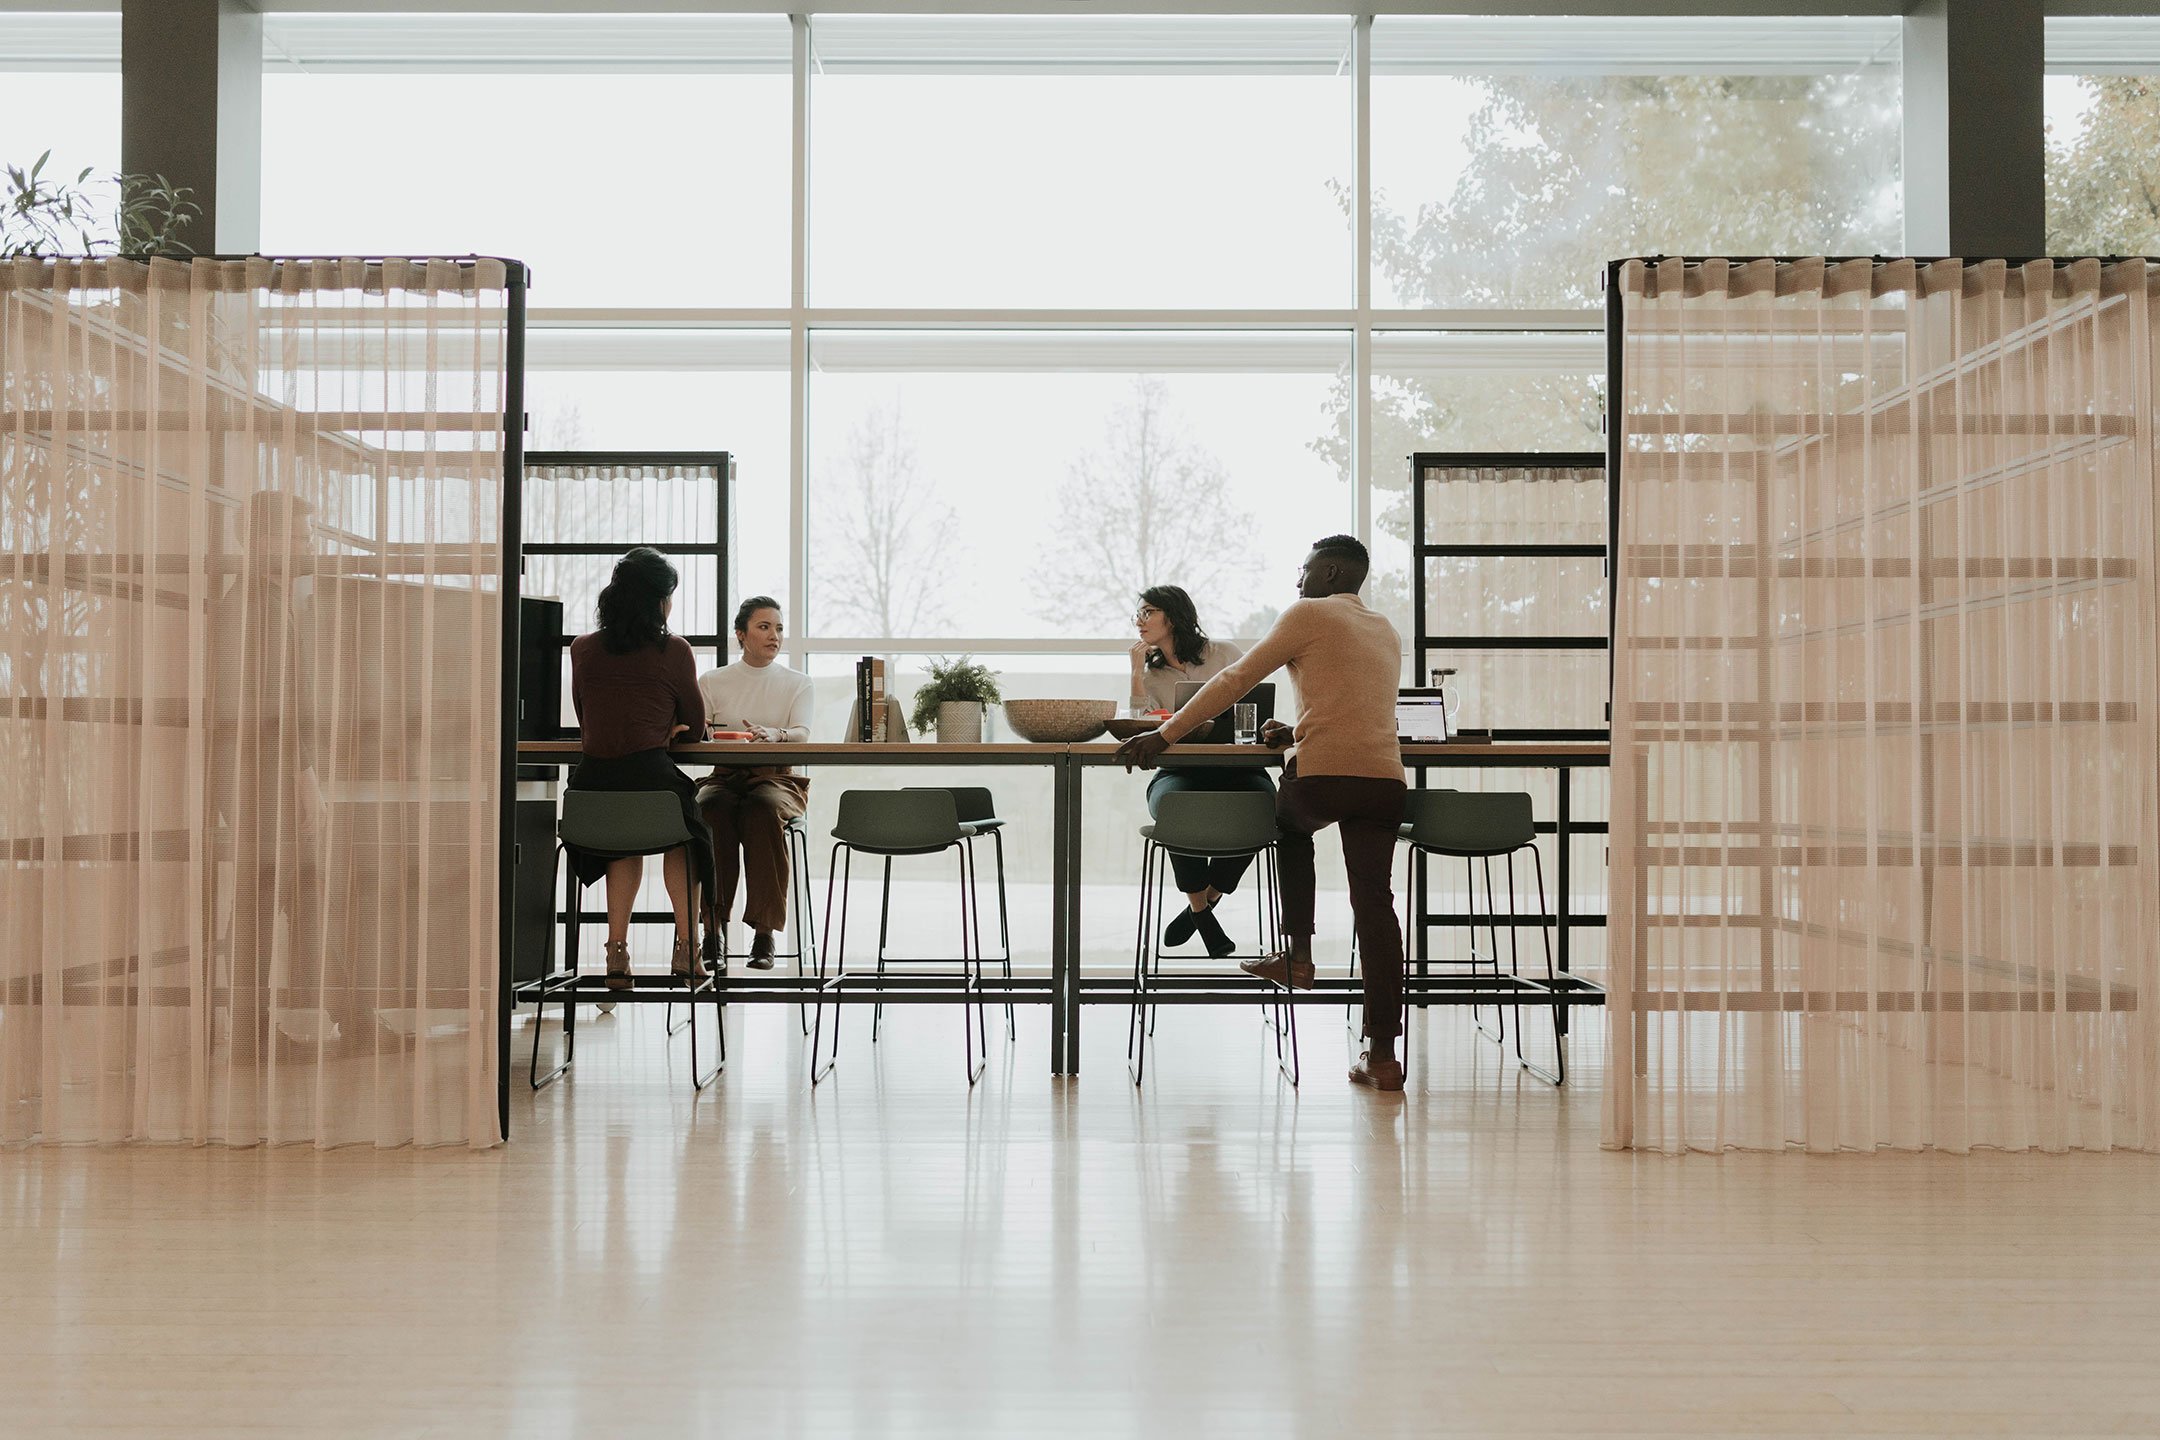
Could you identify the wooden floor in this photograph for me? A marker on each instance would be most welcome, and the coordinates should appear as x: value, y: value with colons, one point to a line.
x: 1217, y: 1256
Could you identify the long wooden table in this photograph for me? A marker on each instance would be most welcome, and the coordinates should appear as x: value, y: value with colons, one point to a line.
x: 1067, y: 763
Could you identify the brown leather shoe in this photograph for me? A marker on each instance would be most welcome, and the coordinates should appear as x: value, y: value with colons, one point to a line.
x: 1376, y: 1074
x: 618, y: 965
x: 761, y: 950
x: 1276, y: 966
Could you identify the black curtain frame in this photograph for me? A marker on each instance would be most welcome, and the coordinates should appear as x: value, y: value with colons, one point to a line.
x: 513, y: 566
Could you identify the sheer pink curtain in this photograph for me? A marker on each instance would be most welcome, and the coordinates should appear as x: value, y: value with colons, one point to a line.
x: 249, y: 633
x: 1883, y: 851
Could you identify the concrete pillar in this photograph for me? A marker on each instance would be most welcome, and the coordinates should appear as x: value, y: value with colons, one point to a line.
x: 1975, y: 128
x: 191, y: 110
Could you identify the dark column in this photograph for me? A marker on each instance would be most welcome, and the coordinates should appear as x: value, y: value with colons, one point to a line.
x: 191, y: 110
x: 1975, y: 128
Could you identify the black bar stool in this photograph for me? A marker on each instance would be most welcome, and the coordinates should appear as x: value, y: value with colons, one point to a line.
x: 1481, y: 826
x: 1207, y: 825
x: 978, y: 811
x: 619, y: 824
x: 892, y: 823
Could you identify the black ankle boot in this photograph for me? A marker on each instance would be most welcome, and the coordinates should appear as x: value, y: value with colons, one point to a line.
x: 1218, y: 944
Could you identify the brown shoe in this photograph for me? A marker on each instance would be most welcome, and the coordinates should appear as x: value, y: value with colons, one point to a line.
x: 1278, y: 965
x: 761, y: 950
x: 1376, y: 1074
x: 686, y: 965
x: 618, y: 965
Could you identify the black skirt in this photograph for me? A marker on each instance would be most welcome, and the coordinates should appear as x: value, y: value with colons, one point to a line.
x: 645, y: 770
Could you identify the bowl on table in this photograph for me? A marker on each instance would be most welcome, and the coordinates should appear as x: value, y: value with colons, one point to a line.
x: 1059, y: 721
x: 1123, y: 728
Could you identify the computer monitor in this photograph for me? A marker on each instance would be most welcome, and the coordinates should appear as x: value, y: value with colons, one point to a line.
x: 1222, y: 730
x: 1420, y: 717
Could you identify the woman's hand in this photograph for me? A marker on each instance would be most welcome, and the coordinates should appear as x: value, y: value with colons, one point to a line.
x: 1275, y: 734
x: 1140, y: 649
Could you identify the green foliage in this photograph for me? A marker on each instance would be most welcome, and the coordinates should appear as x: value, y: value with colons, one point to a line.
x: 145, y: 215
x: 2103, y: 184
x: 961, y: 679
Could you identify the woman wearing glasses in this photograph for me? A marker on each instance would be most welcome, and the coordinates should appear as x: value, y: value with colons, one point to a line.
x: 1171, y: 650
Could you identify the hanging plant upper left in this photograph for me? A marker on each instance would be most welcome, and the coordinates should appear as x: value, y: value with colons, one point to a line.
x: 93, y: 215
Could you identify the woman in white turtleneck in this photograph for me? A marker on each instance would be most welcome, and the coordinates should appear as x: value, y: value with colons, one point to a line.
x: 748, y: 806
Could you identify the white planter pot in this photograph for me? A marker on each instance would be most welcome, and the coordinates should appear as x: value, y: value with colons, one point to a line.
x: 959, y: 722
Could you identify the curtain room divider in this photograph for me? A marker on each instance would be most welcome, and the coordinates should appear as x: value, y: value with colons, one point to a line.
x: 1884, y: 855
x: 250, y: 639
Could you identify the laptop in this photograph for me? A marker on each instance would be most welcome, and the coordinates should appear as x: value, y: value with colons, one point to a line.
x: 1419, y: 718
x: 1222, y: 730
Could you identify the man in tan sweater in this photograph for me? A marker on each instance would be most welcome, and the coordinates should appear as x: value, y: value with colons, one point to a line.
x: 1344, y: 768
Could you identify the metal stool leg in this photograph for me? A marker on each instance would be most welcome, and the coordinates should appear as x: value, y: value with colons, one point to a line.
x: 817, y: 1032
x: 1492, y: 943
x: 571, y: 919
x: 1558, y: 1074
x: 884, y: 926
x: 1136, y: 1034
x: 974, y: 1029
x: 997, y: 840
x: 805, y: 918
x: 1286, y: 1019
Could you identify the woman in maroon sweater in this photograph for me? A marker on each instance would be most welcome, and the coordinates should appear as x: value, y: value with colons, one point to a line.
x: 635, y: 689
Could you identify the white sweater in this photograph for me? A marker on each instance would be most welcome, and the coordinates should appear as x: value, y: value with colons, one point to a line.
x: 740, y: 695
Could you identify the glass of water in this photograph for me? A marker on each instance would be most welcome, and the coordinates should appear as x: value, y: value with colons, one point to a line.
x: 1245, y: 721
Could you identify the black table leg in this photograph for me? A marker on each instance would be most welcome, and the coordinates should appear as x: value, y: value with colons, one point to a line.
x: 1064, y: 918
x: 1560, y: 900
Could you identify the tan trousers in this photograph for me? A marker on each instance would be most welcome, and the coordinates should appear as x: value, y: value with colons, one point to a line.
x: 748, y: 810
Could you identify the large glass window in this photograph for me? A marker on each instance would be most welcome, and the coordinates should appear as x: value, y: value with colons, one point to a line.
x: 2103, y: 119
x: 1054, y: 162
x: 60, y: 92
x: 1030, y: 484
x: 631, y: 161
x: 678, y: 389
x: 1511, y: 158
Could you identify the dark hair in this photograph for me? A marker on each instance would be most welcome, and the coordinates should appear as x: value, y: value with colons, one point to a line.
x: 1344, y: 547
x: 1186, y: 637
x: 630, y: 617
x: 750, y: 607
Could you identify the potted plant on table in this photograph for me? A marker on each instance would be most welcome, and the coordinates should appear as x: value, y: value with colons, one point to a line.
x: 952, y: 699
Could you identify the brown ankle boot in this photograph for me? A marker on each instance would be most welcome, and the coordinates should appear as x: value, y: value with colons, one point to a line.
x: 618, y: 965
x: 761, y: 950
x: 1376, y: 1074
x: 1281, y: 969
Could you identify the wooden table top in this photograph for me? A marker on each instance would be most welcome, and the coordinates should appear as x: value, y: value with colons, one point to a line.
x: 1022, y: 751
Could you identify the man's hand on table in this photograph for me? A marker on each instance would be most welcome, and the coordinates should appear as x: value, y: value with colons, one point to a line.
x: 1143, y: 750
x: 1275, y: 735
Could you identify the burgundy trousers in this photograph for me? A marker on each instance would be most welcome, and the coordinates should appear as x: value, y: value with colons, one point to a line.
x: 1369, y: 813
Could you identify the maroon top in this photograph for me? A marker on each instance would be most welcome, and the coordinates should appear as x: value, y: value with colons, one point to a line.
x: 628, y: 703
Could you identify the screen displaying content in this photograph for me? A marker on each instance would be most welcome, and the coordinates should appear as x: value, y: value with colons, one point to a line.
x: 1420, y: 719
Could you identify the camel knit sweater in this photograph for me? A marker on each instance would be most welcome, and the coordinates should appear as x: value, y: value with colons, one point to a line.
x: 1346, y: 660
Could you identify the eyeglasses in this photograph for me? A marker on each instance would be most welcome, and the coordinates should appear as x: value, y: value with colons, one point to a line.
x: 1144, y: 614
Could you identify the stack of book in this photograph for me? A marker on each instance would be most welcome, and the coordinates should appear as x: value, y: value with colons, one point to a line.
x: 870, y: 701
